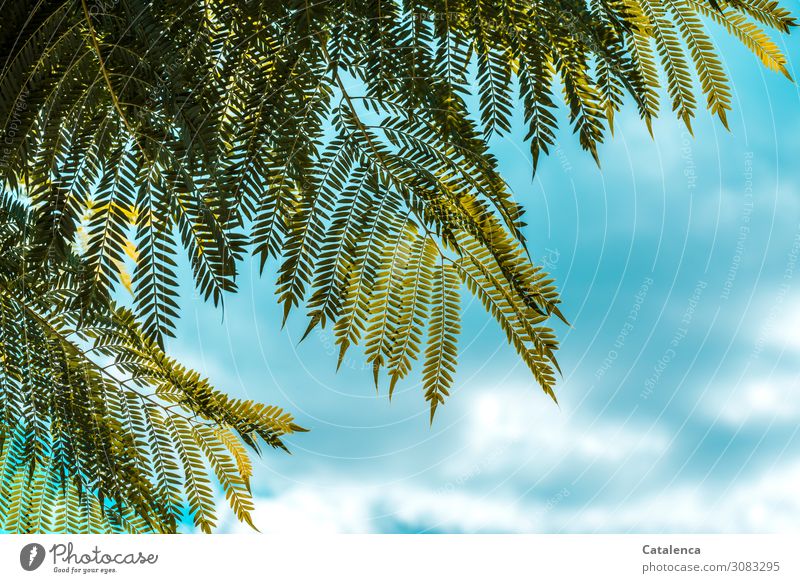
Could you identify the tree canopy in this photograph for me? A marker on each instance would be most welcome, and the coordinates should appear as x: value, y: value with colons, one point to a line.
x: 345, y: 143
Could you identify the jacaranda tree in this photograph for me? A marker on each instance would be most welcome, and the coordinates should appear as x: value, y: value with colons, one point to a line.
x: 345, y: 144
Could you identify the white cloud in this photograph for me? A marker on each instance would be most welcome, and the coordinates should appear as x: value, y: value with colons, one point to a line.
x: 781, y: 327
x: 492, y: 483
x: 512, y: 439
x: 770, y: 400
x: 366, y: 508
x: 767, y: 503
x: 306, y: 510
x: 522, y: 430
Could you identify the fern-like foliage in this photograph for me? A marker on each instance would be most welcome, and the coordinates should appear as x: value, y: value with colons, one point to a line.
x: 99, y: 429
x: 336, y: 140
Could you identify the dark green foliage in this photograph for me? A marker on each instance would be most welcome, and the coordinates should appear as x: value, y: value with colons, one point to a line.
x: 335, y: 139
x: 100, y: 430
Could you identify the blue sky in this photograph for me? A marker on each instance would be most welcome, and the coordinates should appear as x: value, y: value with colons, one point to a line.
x: 679, y: 265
